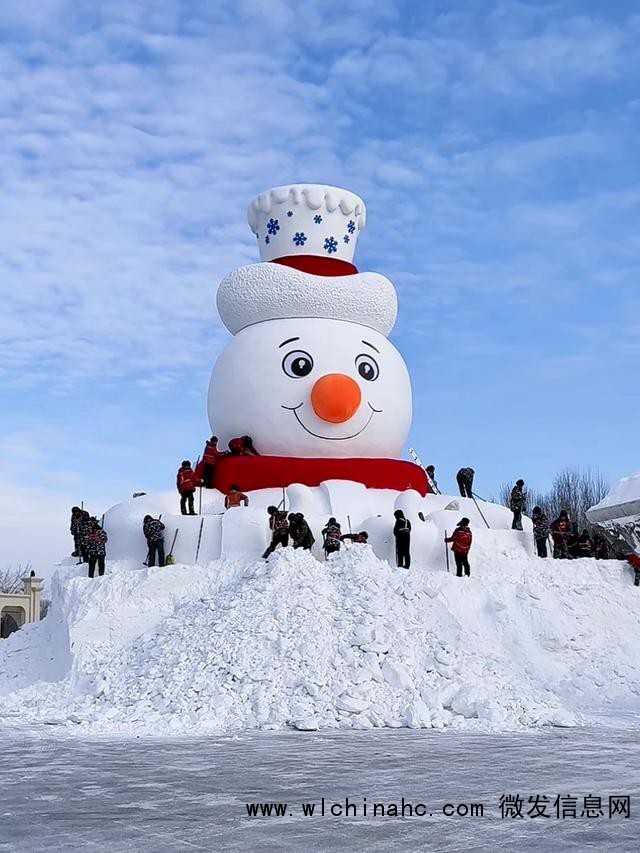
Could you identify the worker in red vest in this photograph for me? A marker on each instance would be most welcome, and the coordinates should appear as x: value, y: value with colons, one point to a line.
x: 235, y: 497
x: 187, y: 483
x: 361, y: 538
x: 560, y: 533
x: 462, y: 538
x: 209, y: 461
x: 242, y: 446
x: 634, y: 562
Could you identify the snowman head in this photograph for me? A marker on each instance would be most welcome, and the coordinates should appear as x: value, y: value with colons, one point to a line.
x: 312, y: 387
x: 310, y: 371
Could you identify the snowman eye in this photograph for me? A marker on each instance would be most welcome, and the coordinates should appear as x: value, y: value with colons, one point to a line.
x: 297, y: 364
x: 367, y: 367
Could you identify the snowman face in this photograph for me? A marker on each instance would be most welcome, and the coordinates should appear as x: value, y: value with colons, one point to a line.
x: 311, y: 387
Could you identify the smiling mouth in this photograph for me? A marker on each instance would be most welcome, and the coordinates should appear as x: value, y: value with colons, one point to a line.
x: 294, y: 409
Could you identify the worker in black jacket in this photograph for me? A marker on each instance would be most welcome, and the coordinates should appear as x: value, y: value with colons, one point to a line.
x: 402, y: 533
x: 153, y: 530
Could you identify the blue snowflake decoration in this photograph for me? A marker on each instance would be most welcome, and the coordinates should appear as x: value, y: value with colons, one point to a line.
x: 273, y: 226
x: 346, y: 238
x: 289, y: 213
x: 351, y: 227
x: 331, y: 244
x: 266, y: 239
x: 317, y: 219
x: 299, y: 238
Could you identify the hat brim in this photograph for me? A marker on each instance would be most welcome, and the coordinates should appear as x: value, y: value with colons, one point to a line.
x: 268, y: 291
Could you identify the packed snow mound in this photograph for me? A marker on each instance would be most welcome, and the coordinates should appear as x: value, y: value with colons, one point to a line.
x: 351, y: 642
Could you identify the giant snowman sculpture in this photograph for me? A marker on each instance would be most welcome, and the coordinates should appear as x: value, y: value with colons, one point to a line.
x: 310, y: 373
x: 311, y: 376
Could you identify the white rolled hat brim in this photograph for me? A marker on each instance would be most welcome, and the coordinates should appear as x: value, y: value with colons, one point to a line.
x: 271, y: 291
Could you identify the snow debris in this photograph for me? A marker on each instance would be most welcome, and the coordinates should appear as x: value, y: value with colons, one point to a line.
x: 347, y: 643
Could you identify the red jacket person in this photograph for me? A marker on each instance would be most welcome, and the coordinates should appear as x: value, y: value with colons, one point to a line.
x: 187, y: 483
x: 461, y: 539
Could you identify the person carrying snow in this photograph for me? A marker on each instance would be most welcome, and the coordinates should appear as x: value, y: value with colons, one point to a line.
x: 465, y: 482
x: 540, y: 530
x: 361, y: 538
x: 96, y: 548
x: 209, y: 461
x: 331, y: 537
x: 279, y: 527
x: 461, y: 539
x: 242, y: 446
x: 235, y: 497
x: 560, y: 532
x: 76, y: 516
x: 402, y: 533
x: 301, y: 534
x: 187, y: 483
x: 153, y: 530
x: 517, y: 504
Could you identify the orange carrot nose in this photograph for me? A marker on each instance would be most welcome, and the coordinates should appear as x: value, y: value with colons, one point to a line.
x: 335, y: 398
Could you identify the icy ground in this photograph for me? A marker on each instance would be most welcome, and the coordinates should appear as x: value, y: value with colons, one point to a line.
x: 151, y: 796
x: 348, y: 643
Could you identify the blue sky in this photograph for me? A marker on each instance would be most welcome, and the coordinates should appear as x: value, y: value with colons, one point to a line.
x: 496, y: 147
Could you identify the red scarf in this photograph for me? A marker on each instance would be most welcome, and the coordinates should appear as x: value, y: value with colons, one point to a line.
x: 249, y: 473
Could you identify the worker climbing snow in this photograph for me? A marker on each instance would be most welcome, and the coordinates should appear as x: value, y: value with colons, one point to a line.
x: 210, y: 459
x: 279, y: 527
x: 431, y: 474
x: 301, y: 534
x: 331, y: 533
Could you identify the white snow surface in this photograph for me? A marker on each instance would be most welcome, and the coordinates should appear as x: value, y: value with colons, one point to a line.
x: 348, y: 643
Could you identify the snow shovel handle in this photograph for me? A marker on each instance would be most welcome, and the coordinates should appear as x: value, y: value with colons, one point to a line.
x: 446, y: 550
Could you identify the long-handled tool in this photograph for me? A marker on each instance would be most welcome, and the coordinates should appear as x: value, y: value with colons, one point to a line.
x: 473, y: 498
x: 199, y: 540
x: 446, y: 550
x: 170, y: 559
